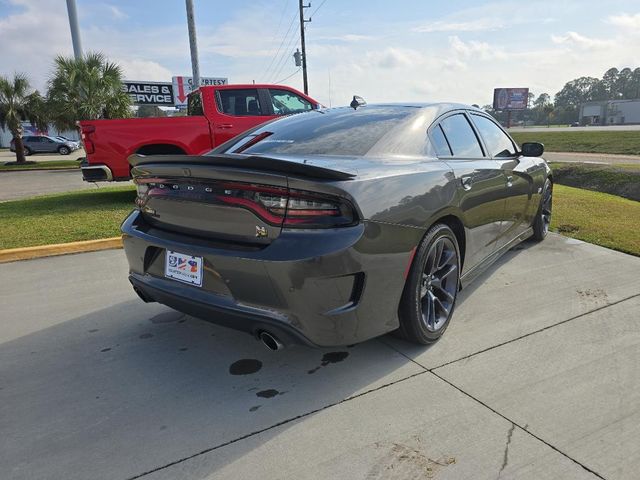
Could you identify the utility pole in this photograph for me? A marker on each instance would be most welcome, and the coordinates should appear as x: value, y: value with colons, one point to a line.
x: 75, y: 29
x: 304, y: 51
x: 193, y: 45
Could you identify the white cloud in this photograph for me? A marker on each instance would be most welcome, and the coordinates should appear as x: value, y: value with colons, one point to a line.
x: 574, y: 38
x: 138, y: 69
x: 475, y: 25
x: 625, y: 20
x: 475, y: 49
x: 116, y: 12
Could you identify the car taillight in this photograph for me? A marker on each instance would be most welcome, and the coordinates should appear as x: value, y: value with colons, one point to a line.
x: 275, y: 205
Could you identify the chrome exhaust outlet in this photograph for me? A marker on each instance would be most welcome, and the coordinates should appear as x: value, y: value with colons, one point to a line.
x: 270, y: 341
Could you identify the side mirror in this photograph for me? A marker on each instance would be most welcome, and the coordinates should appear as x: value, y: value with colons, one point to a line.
x: 532, y: 149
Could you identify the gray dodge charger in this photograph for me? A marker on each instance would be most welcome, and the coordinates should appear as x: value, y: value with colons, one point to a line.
x: 334, y: 226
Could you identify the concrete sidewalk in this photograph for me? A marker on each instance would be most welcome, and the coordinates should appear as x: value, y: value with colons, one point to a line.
x: 537, y: 377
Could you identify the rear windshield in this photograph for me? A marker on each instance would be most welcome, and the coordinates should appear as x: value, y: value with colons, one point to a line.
x: 340, y: 131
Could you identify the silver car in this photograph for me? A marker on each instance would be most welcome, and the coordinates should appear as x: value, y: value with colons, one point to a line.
x: 46, y: 144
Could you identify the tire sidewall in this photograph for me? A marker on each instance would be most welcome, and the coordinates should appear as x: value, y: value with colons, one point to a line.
x: 64, y: 150
x: 27, y: 151
x: 539, y: 232
x: 412, y: 288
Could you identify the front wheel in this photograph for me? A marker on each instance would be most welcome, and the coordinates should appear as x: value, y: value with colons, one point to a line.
x: 64, y: 150
x: 543, y: 217
x: 432, y: 287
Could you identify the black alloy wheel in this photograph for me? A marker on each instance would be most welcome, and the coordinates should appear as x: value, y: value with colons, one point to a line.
x: 543, y: 218
x: 432, y: 286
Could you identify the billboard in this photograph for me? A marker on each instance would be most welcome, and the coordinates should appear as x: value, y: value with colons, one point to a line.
x: 510, y: 98
x: 149, y: 93
x: 182, y: 87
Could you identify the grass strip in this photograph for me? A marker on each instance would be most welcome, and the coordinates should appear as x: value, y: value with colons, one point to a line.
x: 48, y: 165
x: 595, y: 217
x: 65, y: 217
x: 616, y: 142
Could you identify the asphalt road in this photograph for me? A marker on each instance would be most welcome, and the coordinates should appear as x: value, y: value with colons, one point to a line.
x: 16, y: 185
x: 538, y: 377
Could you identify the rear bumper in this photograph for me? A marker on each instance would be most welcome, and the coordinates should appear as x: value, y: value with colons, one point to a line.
x: 96, y: 173
x: 320, y: 288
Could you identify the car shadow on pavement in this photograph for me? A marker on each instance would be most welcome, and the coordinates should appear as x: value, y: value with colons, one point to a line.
x: 133, y: 387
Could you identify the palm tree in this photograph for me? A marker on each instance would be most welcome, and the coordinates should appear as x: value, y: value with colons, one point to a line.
x: 18, y: 102
x: 87, y: 88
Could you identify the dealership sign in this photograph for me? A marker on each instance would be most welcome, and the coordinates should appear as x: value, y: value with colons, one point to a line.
x: 510, y: 98
x: 182, y: 87
x: 149, y: 93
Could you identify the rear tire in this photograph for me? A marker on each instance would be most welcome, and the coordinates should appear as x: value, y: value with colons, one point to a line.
x: 27, y: 151
x: 64, y: 150
x: 432, y: 286
x: 543, y: 216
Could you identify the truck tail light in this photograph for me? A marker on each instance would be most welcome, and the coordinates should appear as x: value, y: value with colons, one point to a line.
x: 89, y: 147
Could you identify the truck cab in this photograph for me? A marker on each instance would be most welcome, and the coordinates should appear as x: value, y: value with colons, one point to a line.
x: 215, y: 114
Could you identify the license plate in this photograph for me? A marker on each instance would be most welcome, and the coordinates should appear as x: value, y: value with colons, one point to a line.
x: 184, y: 268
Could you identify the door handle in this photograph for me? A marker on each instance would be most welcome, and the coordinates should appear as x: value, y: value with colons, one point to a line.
x: 225, y: 125
x: 509, y: 181
x: 467, y: 182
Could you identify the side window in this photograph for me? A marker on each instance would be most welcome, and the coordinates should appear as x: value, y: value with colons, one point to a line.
x: 462, y: 138
x: 240, y: 103
x: 498, y: 143
x: 194, y: 104
x: 285, y: 102
x: 439, y: 142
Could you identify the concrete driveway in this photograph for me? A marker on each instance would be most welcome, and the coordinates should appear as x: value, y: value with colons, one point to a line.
x: 538, y: 377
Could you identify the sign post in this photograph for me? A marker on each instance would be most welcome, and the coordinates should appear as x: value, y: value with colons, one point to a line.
x: 182, y: 87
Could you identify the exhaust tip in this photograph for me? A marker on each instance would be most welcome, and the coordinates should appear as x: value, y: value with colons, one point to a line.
x: 270, y: 341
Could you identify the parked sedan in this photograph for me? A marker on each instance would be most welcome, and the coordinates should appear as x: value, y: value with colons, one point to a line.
x: 335, y: 226
x: 45, y: 144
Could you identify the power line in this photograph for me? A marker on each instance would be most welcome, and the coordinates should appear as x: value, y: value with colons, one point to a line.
x: 293, y: 18
x: 318, y: 8
x: 287, y: 78
x: 282, y: 61
x: 275, y: 32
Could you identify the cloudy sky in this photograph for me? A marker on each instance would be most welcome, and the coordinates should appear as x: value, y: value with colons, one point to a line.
x: 407, y: 50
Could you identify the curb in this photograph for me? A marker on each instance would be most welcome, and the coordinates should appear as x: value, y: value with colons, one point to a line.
x: 28, y: 253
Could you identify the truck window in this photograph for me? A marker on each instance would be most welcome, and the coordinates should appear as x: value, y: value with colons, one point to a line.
x: 240, y: 103
x: 194, y: 104
x: 285, y: 102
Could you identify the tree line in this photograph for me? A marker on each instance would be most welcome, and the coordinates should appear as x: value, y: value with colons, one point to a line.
x: 86, y: 88
x: 565, y: 107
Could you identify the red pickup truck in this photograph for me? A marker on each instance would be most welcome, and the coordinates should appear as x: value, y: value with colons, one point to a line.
x: 215, y: 114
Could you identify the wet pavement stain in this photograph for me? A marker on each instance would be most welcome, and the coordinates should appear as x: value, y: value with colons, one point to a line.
x: 146, y: 335
x: 166, y: 317
x: 327, y: 358
x: 246, y: 366
x: 105, y: 349
x: 253, y: 409
x: 94, y: 330
x: 183, y: 349
x: 269, y: 393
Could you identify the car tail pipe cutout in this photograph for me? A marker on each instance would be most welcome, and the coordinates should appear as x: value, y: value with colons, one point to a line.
x: 270, y: 341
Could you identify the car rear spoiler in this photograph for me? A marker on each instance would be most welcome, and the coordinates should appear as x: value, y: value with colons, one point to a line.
x: 304, y: 168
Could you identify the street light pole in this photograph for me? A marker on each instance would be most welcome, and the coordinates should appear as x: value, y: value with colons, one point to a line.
x: 193, y: 45
x: 75, y: 29
x: 302, y: 6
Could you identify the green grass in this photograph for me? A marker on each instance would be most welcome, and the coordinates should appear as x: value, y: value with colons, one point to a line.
x: 598, y: 218
x: 620, y: 142
x: 48, y: 165
x: 65, y: 217
x: 620, y: 180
